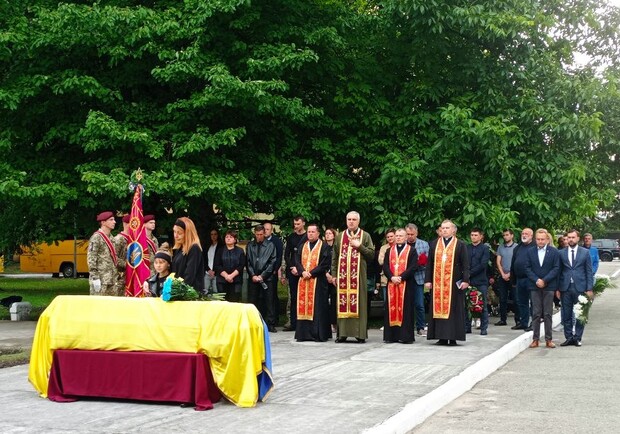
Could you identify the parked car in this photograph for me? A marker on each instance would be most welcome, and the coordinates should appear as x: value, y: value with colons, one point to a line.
x: 608, y: 249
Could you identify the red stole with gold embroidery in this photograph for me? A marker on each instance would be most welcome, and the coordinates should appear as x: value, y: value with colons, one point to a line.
x: 396, y: 292
x: 306, y: 288
x: 348, y: 279
x: 442, y: 278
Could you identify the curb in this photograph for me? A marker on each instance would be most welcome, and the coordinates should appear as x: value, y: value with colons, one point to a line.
x: 416, y: 412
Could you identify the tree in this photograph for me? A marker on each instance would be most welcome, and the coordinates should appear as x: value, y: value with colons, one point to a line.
x: 402, y: 110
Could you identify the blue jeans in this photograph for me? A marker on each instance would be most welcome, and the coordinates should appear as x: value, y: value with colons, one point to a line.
x: 484, y: 317
x: 569, y: 299
x: 523, y: 300
x: 418, y: 300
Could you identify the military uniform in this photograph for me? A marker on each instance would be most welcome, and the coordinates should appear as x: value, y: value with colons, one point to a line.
x: 152, y: 247
x: 121, y: 241
x: 102, y: 265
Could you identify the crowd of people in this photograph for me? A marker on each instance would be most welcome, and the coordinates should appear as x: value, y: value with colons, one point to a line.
x: 331, y: 277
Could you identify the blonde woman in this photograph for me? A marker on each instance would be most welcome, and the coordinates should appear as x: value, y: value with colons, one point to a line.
x: 187, y: 258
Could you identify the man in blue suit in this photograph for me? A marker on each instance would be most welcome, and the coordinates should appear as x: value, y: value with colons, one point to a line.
x: 576, y: 279
x: 542, y: 269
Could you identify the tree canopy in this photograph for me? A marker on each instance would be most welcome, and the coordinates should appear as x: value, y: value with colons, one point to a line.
x: 408, y: 110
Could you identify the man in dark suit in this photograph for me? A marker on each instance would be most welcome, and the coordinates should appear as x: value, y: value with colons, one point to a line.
x: 542, y: 269
x: 575, y: 280
x: 479, y: 255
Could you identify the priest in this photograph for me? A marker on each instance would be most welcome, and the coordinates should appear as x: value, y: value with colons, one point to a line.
x: 352, y: 249
x: 399, y: 266
x: 447, y: 276
x: 313, y: 260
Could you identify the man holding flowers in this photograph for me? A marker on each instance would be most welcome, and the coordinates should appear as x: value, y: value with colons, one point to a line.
x: 575, y: 281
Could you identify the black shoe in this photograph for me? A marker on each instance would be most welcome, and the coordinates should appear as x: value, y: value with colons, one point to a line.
x: 483, y: 332
x: 501, y: 323
x: 341, y: 339
x: 406, y: 342
x: 452, y: 343
x: 442, y: 342
x: 288, y: 329
x: 517, y: 327
x: 567, y: 342
x: 272, y: 329
x: 576, y: 343
x: 468, y: 331
x: 360, y: 340
x: 527, y: 329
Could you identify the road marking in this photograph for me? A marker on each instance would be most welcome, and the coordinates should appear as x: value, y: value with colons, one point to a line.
x: 615, y: 274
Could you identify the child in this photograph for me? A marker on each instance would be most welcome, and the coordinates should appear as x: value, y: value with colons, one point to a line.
x: 154, y: 284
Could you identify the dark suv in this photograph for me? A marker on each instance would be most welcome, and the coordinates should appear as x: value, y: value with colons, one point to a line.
x: 608, y: 250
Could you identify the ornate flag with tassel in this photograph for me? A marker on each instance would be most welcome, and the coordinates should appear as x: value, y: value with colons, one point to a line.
x: 137, y: 261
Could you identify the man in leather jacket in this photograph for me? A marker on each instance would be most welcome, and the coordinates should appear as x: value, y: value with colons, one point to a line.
x: 262, y: 284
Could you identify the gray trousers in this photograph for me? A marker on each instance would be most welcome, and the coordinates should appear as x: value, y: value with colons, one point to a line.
x: 542, y: 307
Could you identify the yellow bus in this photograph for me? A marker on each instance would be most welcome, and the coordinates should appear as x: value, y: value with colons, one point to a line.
x: 57, y: 258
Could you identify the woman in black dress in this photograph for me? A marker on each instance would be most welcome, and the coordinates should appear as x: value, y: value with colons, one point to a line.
x: 187, y: 257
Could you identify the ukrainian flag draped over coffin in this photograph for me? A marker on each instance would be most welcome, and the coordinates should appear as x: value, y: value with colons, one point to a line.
x: 230, y: 334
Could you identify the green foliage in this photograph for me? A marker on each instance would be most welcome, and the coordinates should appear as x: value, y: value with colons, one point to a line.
x: 403, y: 110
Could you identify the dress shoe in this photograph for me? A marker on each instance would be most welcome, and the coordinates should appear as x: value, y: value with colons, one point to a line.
x: 517, y: 327
x: 288, y: 329
x: 442, y: 342
x: 421, y: 332
x: 468, y: 331
x: 550, y: 344
x: 360, y: 340
x: 527, y: 329
x: 272, y: 329
x: 341, y: 339
x: 501, y: 323
x: 576, y: 343
x: 534, y: 344
x: 483, y: 332
x: 567, y: 342
x: 452, y: 343
x: 406, y: 342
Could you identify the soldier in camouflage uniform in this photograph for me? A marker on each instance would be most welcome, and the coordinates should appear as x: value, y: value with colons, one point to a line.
x: 152, y: 243
x: 121, y: 241
x: 102, y: 258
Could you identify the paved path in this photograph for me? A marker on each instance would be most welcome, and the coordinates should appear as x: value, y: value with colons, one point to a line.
x: 564, y: 390
x: 346, y: 388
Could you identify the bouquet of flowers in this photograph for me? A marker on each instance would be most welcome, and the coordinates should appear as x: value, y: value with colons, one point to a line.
x: 176, y: 289
x: 600, y: 285
x: 582, y: 308
x: 475, y: 302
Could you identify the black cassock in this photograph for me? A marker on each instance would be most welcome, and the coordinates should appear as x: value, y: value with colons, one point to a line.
x: 319, y: 329
x: 452, y: 328
x: 405, y: 332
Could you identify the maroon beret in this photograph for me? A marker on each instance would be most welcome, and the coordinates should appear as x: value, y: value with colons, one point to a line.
x: 104, y: 216
x: 148, y: 218
x: 126, y: 218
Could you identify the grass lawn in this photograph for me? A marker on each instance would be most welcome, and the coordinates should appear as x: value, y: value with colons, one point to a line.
x: 39, y: 292
x: 13, y: 356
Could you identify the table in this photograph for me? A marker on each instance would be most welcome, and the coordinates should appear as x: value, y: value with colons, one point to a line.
x: 232, y: 336
x: 137, y: 375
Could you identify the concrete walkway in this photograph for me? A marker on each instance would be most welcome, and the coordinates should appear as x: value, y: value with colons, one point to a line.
x: 565, y: 390
x: 320, y: 388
